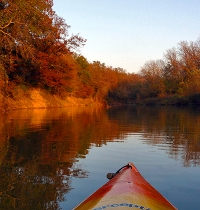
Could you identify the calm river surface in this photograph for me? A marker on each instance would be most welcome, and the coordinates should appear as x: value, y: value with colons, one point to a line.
x: 55, y: 158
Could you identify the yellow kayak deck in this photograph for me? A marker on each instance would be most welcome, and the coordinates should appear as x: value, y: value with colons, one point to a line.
x: 126, y: 190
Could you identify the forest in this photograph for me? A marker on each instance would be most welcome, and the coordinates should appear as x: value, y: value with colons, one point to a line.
x: 36, y: 51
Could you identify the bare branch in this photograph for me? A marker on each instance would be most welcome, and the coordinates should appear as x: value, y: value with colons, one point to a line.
x: 11, y: 22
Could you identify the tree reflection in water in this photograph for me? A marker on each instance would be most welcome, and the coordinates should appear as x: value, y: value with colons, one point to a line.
x: 40, y: 149
x: 175, y: 128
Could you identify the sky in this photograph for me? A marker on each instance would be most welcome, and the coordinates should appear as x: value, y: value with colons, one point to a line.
x: 129, y: 33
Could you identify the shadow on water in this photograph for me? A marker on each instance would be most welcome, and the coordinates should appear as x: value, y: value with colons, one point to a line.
x: 40, y: 148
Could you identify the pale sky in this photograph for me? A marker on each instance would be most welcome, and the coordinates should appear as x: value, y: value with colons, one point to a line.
x: 128, y: 33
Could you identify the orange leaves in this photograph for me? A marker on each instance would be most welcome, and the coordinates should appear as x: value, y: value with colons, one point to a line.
x: 35, y: 46
x: 57, y: 72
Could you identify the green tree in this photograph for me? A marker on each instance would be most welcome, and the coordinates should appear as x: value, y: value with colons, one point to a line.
x: 84, y: 86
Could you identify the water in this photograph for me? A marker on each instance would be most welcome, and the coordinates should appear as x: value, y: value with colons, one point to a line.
x: 55, y: 158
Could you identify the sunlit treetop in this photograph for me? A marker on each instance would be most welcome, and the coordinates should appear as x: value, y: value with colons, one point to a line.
x: 24, y: 22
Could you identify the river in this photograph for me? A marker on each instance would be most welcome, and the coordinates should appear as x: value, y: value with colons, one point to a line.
x: 55, y: 158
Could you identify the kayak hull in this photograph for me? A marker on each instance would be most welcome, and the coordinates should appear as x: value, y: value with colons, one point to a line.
x: 127, y: 189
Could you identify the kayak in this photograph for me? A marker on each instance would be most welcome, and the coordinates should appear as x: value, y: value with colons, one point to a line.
x: 126, y: 189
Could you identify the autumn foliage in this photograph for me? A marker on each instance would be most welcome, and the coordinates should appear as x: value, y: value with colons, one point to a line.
x: 37, y: 51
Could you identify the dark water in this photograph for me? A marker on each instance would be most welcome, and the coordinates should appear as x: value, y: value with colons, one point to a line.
x: 54, y: 158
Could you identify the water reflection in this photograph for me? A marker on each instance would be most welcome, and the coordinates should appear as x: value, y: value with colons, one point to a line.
x: 40, y: 149
x: 175, y: 128
x: 39, y: 153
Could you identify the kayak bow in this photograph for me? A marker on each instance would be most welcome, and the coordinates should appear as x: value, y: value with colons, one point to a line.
x: 126, y: 189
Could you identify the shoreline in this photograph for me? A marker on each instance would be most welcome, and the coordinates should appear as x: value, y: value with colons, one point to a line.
x: 37, y: 98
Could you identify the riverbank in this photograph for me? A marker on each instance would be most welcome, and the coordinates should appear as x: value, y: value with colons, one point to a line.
x: 37, y: 98
x: 175, y: 100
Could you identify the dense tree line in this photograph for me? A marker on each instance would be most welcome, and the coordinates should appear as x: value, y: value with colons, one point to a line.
x: 35, y: 47
x: 178, y: 73
x: 176, y: 76
x: 37, y: 51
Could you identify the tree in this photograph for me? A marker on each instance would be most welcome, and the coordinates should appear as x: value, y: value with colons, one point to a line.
x: 182, y: 68
x: 30, y: 34
x: 84, y: 87
x: 103, y: 79
x: 190, y: 63
x: 152, y: 72
x: 57, y: 71
x: 21, y: 22
x: 127, y: 88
